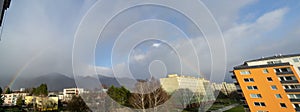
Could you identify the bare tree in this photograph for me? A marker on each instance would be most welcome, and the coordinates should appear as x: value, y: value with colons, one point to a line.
x: 148, y: 95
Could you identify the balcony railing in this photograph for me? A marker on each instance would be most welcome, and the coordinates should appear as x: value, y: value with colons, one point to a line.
x: 295, y: 100
x: 282, y: 73
x: 289, y: 81
x: 292, y: 90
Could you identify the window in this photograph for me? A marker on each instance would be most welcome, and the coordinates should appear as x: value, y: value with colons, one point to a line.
x: 296, y: 60
x: 269, y: 79
x: 259, y: 104
x: 245, y: 72
x: 255, y: 95
x: 273, y: 87
x: 283, y: 105
x: 265, y: 71
x: 252, y: 87
x: 248, y: 79
x: 278, y: 96
x: 299, y: 68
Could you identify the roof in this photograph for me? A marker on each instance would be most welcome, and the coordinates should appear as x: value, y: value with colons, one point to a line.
x: 244, y: 66
x: 274, y: 57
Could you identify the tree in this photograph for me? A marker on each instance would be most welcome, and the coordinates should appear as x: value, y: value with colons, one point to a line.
x: 7, y: 90
x: 42, y: 90
x: 20, y: 101
x: 120, y: 95
x: 76, y: 104
x: 148, y: 95
x: 1, y: 97
x: 182, y: 98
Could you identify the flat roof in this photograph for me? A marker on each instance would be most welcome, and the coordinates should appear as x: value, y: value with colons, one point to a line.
x: 274, y: 57
x: 244, y: 66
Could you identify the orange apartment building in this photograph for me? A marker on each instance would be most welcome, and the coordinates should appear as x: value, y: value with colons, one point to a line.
x: 268, y: 88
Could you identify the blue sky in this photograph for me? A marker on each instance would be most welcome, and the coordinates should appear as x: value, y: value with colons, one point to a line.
x: 45, y: 30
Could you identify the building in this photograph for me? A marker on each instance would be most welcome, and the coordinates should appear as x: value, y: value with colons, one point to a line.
x: 4, y: 4
x: 197, y: 85
x: 293, y: 59
x: 49, y: 103
x: 68, y: 93
x: 224, y: 87
x: 11, y: 99
x: 268, y: 87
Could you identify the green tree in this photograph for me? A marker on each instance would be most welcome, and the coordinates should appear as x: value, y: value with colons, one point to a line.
x: 20, y: 101
x: 7, y: 90
x: 120, y: 95
x: 1, y: 97
x: 42, y: 90
x: 77, y: 105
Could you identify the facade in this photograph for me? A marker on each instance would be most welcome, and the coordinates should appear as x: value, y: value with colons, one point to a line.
x: 196, y: 85
x: 68, y: 93
x: 272, y: 87
x: 49, y: 103
x: 224, y: 87
x: 293, y: 59
x: 11, y: 99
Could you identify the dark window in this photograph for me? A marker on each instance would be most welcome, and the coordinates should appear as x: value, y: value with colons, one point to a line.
x: 283, y: 105
x: 269, y: 79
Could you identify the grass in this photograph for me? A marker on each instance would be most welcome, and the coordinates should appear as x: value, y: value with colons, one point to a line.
x: 239, y: 108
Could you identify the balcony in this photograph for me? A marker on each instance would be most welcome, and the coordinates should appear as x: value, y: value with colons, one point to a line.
x: 245, y: 106
x: 289, y: 81
x: 239, y: 90
x: 297, y: 109
x: 236, y: 83
x: 283, y: 73
x: 233, y: 77
x: 295, y: 100
x: 292, y: 90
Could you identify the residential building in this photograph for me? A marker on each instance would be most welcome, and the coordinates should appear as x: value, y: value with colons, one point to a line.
x: 224, y: 87
x: 4, y: 4
x: 11, y: 99
x: 271, y: 87
x: 197, y: 85
x: 293, y: 59
x: 49, y: 103
x: 68, y: 93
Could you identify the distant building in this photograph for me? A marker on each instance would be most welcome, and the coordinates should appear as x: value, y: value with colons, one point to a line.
x: 68, y: 93
x: 49, y: 103
x: 197, y: 85
x: 269, y: 84
x: 224, y: 87
x: 11, y: 99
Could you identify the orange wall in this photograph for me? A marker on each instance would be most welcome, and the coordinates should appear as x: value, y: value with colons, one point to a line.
x: 264, y: 88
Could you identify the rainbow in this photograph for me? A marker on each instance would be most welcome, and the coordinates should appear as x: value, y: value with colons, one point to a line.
x: 19, y: 72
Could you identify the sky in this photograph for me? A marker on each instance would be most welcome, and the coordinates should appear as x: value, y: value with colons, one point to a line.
x: 149, y: 40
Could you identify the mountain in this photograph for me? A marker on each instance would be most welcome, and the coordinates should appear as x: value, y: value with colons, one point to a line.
x: 54, y: 81
x: 58, y: 81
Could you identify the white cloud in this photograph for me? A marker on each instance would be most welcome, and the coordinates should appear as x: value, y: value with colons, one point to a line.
x: 156, y: 44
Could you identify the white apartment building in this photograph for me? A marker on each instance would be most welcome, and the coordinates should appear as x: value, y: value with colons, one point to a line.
x: 293, y: 59
x: 68, y: 93
x: 196, y: 85
x: 11, y: 99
